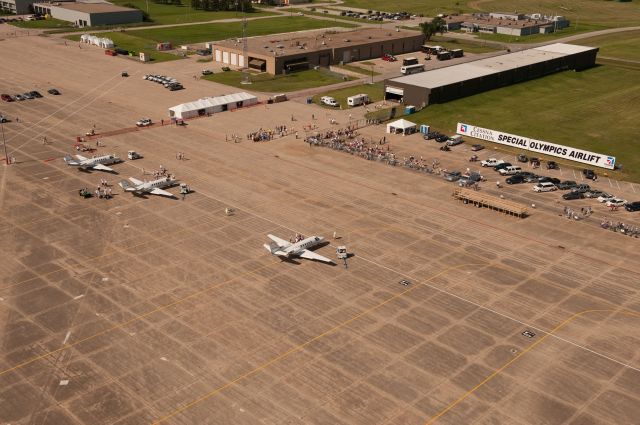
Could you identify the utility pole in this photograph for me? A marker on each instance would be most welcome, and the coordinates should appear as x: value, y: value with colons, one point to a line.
x: 245, y: 49
x: 4, y: 144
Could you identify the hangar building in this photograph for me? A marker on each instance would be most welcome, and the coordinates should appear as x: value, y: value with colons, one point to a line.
x: 89, y: 14
x: 453, y: 82
x: 277, y: 54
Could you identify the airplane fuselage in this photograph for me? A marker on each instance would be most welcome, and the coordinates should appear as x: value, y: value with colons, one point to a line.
x: 90, y: 162
x: 307, y: 243
x: 156, y: 184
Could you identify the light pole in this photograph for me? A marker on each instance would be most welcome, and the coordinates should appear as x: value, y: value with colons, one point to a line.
x: 4, y: 144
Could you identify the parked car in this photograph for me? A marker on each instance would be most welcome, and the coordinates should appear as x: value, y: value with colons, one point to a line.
x: 442, y: 138
x: 476, y: 148
x: 551, y: 180
x: 491, y: 162
x: 144, y: 122
x: 207, y: 72
x: 175, y: 86
x: 3, y: 119
x: 452, y: 176
x: 605, y: 197
x: 523, y: 158
x: 572, y: 195
x: 567, y: 184
x: 431, y: 135
x: 531, y: 178
x: 389, y: 58
x: 517, y: 179
x: 330, y: 101
x: 581, y: 188
x: 7, y: 97
x: 470, y: 179
x: 133, y: 155
x: 501, y: 166
x: 19, y: 97
x: 632, y: 206
x: 544, y: 187
x: 615, y: 202
x: 455, y: 140
x: 552, y: 165
x: 28, y: 95
x: 35, y: 94
x: 589, y: 174
x: 593, y: 193
x: 54, y: 92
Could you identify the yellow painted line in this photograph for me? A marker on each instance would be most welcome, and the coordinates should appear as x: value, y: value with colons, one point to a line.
x: 301, y: 346
x: 506, y: 365
x: 133, y: 320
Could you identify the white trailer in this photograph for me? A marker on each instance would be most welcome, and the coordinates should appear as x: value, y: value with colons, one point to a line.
x: 358, y: 99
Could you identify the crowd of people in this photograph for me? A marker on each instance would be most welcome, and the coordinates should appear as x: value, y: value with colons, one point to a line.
x: 577, y: 215
x: 263, y: 135
x: 620, y: 227
x: 348, y: 140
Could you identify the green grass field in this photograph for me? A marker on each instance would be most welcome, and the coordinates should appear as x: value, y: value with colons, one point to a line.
x: 622, y: 45
x: 606, y: 13
x: 44, y: 23
x: 597, y: 110
x: 375, y: 92
x: 171, y: 14
x: 277, y: 84
x: 209, y: 32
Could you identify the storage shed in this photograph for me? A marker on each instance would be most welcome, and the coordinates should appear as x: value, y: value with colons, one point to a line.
x: 211, y: 105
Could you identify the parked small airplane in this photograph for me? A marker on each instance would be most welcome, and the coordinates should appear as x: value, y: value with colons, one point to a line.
x: 286, y: 249
x: 95, y: 163
x: 153, y: 187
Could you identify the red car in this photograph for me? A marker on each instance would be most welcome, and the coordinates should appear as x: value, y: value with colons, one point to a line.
x: 389, y: 58
x: 7, y: 98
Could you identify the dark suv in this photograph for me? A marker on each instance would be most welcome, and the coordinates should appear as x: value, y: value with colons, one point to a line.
x: 589, y: 174
x: 632, y: 206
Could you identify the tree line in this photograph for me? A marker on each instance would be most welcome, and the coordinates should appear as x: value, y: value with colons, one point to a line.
x: 219, y: 5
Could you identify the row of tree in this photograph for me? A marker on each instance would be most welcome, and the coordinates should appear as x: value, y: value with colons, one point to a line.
x: 217, y: 5
x: 171, y: 2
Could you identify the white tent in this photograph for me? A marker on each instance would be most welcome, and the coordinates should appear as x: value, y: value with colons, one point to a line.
x: 106, y: 43
x: 210, y: 105
x: 401, y: 126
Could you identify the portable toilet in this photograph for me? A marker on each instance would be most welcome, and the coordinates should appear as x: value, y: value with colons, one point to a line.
x: 424, y: 129
x: 408, y: 110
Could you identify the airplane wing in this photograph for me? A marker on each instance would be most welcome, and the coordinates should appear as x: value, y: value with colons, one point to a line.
x: 281, y: 242
x: 161, y: 192
x: 135, y: 181
x: 102, y: 167
x: 81, y: 158
x: 310, y: 255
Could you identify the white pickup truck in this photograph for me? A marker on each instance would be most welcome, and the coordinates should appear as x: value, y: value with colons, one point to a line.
x: 144, y: 122
x: 491, y: 162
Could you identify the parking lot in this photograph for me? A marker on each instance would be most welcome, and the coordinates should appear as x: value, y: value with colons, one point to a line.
x: 153, y: 310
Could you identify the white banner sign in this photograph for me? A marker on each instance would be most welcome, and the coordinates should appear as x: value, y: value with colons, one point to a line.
x: 586, y: 157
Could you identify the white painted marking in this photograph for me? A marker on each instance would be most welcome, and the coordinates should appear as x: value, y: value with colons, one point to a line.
x: 64, y: 382
x: 104, y: 279
x: 45, y: 178
x: 633, y: 187
x: 119, y: 212
x: 574, y: 174
x: 618, y: 184
x: 1, y: 299
x: 78, y: 297
x: 66, y: 338
x: 164, y: 359
x: 610, y: 184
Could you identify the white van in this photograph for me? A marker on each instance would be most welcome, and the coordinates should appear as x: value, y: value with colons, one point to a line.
x: 510, y: 170
x: 544, y: 187
x: 328, y: 100
x: 358, y: 99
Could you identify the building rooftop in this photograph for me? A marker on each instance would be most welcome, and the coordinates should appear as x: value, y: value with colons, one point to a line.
x: 470, y: 70
x: 288, y: 44
x: 87, y: 7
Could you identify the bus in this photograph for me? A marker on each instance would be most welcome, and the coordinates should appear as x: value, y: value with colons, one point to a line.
x: 410, y: 61
x: 412, y: 69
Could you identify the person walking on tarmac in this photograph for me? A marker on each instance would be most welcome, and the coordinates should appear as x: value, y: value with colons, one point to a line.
x: 498, y: 185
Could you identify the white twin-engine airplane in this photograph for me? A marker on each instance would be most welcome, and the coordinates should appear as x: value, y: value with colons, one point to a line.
x: 95, y: 163
x: 153, y: 187
x: 286, y: 249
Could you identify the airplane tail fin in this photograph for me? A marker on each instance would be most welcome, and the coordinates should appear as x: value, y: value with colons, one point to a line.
x: 69, y: 160
x: 275, y: 249
x: 126, y: 186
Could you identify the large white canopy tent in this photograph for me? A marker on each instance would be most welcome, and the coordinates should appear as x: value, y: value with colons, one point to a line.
x: 210, y: 105
x: 401, y: 126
